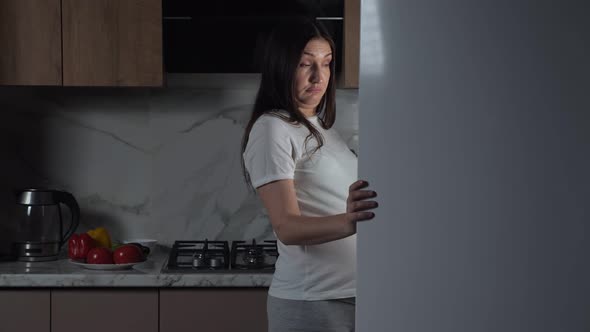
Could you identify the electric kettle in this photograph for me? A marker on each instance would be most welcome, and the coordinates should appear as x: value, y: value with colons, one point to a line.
x: 39, y: 226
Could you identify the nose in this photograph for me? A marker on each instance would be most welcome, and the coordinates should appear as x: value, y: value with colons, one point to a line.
x: 316, y: 75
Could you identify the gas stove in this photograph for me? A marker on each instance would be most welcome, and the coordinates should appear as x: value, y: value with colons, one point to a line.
x: 216, y: 256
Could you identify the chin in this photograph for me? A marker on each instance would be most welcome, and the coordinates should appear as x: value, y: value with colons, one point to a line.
x: 311, y: 102
x: 310, y: 105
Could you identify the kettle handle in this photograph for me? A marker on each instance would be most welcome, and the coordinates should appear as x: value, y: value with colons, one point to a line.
x: 69, y: 200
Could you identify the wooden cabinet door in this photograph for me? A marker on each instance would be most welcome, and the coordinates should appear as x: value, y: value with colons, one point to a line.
x: 352, y: 43
x: 100, y: 310
x: 213, y: 309
x: 30, y: 42
x: 112, y: 43
x: 24, y: 310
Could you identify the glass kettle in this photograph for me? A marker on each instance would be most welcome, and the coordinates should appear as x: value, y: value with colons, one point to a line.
x: 39, y: 225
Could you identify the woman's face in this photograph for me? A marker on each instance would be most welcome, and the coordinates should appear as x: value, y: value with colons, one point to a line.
x: 312, y: 75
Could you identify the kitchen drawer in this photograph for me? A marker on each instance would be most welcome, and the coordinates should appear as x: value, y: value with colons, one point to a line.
x: 213, y: 309
x: 24, y: 310
x: 100, y: 310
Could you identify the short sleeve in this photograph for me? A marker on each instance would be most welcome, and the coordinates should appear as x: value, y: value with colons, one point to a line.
x: 269, y: 153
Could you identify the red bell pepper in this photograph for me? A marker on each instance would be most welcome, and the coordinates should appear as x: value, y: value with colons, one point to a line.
x: 79, y: 245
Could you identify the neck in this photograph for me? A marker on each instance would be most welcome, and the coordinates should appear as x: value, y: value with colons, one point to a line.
x: 308, y: 112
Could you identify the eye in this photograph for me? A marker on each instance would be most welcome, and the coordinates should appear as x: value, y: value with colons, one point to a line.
x: 327, y: 64
x: 304, y: 65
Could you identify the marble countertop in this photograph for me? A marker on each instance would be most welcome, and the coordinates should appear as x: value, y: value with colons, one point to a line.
x: 62, y: 273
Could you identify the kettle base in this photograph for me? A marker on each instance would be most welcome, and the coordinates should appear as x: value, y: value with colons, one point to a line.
x: 36, y: 251
x: 36, y: 259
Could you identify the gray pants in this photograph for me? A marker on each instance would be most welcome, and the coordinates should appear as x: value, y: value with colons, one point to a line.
x: 310, y: 316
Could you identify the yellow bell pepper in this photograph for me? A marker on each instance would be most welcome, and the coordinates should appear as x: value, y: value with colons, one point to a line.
x: 101, y: 237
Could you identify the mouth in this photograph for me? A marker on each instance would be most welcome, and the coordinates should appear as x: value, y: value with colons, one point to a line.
x: 313, y: 90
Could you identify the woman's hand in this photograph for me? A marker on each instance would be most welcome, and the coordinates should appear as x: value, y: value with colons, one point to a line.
x: 357, y: 205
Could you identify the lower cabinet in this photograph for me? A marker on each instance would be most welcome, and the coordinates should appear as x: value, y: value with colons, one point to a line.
x: 213, y: 309
x: 133, y: 309
x: 25, y: 310
x: 107, y: 309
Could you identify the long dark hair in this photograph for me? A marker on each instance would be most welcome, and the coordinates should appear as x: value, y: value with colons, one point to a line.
x: 281, y: 57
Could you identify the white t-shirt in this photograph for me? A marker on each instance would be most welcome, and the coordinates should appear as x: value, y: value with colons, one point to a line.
x: 275, y: 151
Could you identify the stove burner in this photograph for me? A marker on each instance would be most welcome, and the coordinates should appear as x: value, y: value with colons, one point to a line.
x: 215, y: 256
x: 254, y: 256
x: 199, y: 255
x: 200, y: 260
x: 215, y: 262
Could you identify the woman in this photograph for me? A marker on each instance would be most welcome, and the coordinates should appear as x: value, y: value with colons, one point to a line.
x: 305, y: 176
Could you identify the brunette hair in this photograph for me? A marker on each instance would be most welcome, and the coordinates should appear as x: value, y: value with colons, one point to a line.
x: 282, y: 54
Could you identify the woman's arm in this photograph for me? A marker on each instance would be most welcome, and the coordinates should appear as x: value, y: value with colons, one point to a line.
x: 294, y: 229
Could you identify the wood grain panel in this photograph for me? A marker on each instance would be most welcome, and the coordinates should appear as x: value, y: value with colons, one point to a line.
x: 24, y: 310
x: 352, y: 38
x: 112, y: 43
x: 30, y: 42
x: 213, y: 309
x: 100, y: 310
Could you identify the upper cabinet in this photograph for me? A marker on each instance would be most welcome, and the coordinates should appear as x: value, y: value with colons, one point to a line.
x: 81, y: 42
x: 351, y: 44
x: 30, y: 40
x: 132, y: 43
x: 112, y: 43
x: 237, y: 30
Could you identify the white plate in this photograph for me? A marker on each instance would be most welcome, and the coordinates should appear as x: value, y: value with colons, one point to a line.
x: 105, y: 267
x: 150, y: 243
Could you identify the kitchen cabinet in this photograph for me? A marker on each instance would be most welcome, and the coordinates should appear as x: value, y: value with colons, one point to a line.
x: 134, y: 309
x: 99, y: 310
x: 227, y: 309
x: 81, y: 42
x: 30, y: 40
x: 24, y: 310
x: 351, y: 44
x: 112, y: 43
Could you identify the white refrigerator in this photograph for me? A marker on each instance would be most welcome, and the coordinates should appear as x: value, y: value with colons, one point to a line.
x: 474, y: 129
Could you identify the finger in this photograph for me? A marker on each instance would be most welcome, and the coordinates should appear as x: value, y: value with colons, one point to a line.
x: 361, y: 194
x: 362, y: 206
x: 362, y: 216
x: 355, y: 186
x: 358, y: 185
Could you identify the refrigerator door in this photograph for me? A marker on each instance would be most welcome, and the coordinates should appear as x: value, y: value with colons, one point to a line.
x: 475, y: 132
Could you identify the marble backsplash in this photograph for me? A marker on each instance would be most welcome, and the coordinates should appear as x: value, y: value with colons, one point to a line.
x: 158, y: 163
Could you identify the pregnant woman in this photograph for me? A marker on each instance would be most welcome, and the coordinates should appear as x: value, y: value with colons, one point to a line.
x: 306, y: 177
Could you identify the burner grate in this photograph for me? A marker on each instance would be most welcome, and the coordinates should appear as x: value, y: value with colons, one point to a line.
x: 216, y: 256
x: 199, y: 255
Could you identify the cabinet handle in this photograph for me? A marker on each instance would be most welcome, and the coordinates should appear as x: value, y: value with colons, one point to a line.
x: 329, y: 18
x: 185, y: 18
x: 319, y: 18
